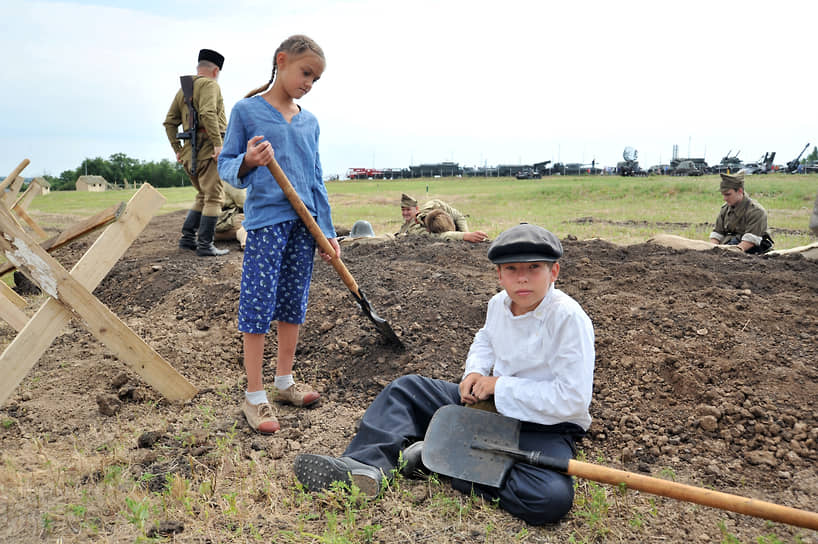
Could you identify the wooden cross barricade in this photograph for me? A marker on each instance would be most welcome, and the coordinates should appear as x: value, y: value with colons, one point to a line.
x: 70, y: 295
x: 21, y: 206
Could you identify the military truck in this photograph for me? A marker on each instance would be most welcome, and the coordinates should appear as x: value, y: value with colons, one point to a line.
x: 728, y: 164
x: 688, y: 167
x: 629, y: 166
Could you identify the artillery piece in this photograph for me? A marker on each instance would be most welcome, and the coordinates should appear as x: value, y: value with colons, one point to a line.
x: 792, y: 166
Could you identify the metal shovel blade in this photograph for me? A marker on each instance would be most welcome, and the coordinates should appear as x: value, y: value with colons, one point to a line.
x: 453, y: 431
x: 381, y: 324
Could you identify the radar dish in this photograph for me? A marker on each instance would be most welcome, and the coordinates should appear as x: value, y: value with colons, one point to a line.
x: 629, y: 154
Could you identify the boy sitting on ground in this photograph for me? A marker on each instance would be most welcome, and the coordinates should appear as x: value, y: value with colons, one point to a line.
x: 534, y: 357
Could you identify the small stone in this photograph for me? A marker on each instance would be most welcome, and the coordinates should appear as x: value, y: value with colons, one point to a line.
x: 707, y: 410
x: 165, y: 528
x: 120, y: 380
x: 761, y: 457
x: 148, y: 439
x: 709, y: 423
x: 108, y: 405
x: 326, y: 326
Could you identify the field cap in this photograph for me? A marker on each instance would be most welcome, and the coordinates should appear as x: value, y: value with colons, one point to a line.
x: 211, y: 56
x: 732, y: 181
x: 407, y: 201
x: 525, y: 243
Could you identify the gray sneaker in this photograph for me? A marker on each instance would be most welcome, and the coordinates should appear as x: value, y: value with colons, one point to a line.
x: 317, y: 472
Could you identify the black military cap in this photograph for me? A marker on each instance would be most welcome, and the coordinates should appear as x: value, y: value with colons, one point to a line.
x: 211, y: 56
x: 525, y: 243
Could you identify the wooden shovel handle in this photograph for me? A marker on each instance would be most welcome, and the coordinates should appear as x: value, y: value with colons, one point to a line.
x: 698, y: 495
x: 312, y: 226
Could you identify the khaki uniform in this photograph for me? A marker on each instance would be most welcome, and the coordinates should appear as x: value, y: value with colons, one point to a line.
x: 747, y: 221
x: 228, y: 226
x: 208, y: 102
x: 417, y: 226
x: 348, y: 241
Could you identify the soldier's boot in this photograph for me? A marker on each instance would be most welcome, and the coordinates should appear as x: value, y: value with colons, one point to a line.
x: 204, y: 245
x: 189, y: 229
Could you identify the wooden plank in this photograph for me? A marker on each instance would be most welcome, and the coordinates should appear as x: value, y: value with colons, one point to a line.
x: 40, y: 331
x: 10, y: 195
x: 41, y: 234
x: 14, y: 173
x: 12, y: 314
x: 34, y: 189
x: 75, y: 231
x: 21, y: 207
x: 11, y: 295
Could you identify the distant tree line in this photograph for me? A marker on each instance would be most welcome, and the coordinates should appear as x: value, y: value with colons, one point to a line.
x: 119, y: 169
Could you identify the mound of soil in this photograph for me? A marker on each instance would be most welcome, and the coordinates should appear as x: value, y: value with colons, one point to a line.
x: 706, y: 361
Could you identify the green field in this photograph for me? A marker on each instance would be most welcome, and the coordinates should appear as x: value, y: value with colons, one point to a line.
x: 622, y: 210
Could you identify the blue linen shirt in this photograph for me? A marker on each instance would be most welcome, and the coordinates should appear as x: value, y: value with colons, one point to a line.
x: 296, y: 149
x: 544, y: 359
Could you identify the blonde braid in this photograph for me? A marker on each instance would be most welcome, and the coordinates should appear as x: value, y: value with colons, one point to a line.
x: 294, y: 45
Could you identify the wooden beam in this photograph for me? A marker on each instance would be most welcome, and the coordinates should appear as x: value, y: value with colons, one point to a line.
x: 14, y: 173
x: 12, y: 314
x: 11, y: 295
x: 10, y: 195
x: 21, y: 207
x: 75, y: 231
x: 31, y: 223
x: 74, y: 291
x: 34, y: 189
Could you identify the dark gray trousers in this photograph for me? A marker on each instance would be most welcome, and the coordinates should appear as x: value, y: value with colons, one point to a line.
x: 400, y: 414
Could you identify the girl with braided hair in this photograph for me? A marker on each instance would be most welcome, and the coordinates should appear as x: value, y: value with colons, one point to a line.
x: 279, y: 252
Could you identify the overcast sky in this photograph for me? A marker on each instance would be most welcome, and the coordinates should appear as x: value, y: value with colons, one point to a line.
x: 498, y: 82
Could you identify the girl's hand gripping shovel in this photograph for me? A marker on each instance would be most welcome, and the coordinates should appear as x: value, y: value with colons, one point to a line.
x: 481, y: 447
x: 302, y: 211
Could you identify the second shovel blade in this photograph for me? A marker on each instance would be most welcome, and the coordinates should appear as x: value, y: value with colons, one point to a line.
x: 447, y: 447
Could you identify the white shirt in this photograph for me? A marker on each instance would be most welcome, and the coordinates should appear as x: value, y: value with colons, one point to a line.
x: 544, y: 358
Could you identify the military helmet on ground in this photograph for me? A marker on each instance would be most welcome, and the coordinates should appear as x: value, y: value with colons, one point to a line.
x: 361, y: 229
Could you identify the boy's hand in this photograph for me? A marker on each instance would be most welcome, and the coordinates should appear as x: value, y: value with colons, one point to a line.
x: 258, y: 153
x: 475, y: 387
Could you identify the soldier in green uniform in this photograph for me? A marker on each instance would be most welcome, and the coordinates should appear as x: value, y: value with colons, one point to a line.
x: 199, y: 226
x: 813, y: 219
x: 414, y: 217
x: 228, y: 226
x: 741, y: 222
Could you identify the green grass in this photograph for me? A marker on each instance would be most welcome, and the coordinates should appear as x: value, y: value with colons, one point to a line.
x: 622, y: 210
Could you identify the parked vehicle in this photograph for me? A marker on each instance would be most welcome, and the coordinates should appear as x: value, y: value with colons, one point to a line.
x: 528, y: 173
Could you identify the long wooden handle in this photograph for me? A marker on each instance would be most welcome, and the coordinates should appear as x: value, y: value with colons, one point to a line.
x: 312, y: 226
x: 698, y: 495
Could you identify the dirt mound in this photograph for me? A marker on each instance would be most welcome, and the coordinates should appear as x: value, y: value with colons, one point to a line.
x: 705, y: 368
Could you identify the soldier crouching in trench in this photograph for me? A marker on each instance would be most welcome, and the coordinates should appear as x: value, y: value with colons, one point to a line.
x: 742, y: 222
